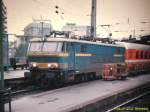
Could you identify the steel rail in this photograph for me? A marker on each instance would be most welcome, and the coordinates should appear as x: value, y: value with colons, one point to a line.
x: 129, y: 101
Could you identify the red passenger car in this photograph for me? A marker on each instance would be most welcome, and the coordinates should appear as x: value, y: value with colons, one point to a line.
x: 137, y: 57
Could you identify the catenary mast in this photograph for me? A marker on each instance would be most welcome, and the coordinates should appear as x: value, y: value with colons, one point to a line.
x: 93, y: 19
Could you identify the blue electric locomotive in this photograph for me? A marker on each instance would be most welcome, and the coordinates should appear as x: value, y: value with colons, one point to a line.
x: 71, y: 60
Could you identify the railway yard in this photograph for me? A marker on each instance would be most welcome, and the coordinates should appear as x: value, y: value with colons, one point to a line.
x: 75, y: 67
x: 78, y: 76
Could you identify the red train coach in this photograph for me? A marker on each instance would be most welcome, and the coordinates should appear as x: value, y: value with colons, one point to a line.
x: 137, y: 57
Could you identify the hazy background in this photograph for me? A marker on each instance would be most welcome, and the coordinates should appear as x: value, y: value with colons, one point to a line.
x: 128, y: 13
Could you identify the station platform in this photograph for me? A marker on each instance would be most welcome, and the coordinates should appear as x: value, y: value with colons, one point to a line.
x: 13, y: 74
x: 77, y: 96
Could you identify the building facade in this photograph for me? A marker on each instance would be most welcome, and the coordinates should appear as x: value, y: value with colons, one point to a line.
x: 37, y: 29
x: 12, y: 49
x: 76, y: 30
x: 32, y: 30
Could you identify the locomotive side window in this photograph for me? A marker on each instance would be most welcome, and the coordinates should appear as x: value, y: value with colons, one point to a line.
x: 64, y: 47
x: 83, y: 48
x: 69, y: 47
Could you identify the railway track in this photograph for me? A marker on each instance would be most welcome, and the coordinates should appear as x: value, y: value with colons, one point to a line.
x: 32, y: 91
x: 22, y: 86
x: 137, y: 104
x: 25, y: 91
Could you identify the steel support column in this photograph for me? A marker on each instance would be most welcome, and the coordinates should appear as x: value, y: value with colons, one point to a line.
x: 1, y: 53
x: 93, y: 19
x: 1, y: 48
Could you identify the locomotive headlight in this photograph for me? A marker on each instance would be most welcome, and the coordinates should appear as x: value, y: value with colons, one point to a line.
x: 49, y: 65
x: 34, y: 64
x: 53, y: 65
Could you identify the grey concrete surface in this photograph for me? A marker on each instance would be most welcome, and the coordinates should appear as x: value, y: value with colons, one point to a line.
x: 73, y: 97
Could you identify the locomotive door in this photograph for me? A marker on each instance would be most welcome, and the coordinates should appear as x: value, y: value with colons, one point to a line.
x: 71, y: 50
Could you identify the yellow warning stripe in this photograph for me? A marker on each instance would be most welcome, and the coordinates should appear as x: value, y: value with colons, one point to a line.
x: 83, y: 54
x: 47, y: 54
x: 57, y: 54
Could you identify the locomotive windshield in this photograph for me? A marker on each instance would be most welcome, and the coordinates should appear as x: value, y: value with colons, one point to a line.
x: 46, y: 46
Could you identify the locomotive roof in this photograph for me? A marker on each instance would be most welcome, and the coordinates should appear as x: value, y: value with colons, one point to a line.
x: 75, y: 40
x: 134, y: 46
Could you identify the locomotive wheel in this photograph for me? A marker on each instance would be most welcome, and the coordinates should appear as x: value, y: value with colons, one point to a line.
x: 22, y: 67
x: 85, y: 77
x: 44, y: 82
x: 123, y: 78
x: 14, y: 68
x: 57, y: 81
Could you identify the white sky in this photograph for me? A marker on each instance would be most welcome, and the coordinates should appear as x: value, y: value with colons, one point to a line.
x: 21, y: 12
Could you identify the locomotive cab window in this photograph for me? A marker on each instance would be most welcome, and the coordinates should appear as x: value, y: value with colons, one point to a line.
x: 46, y: 46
